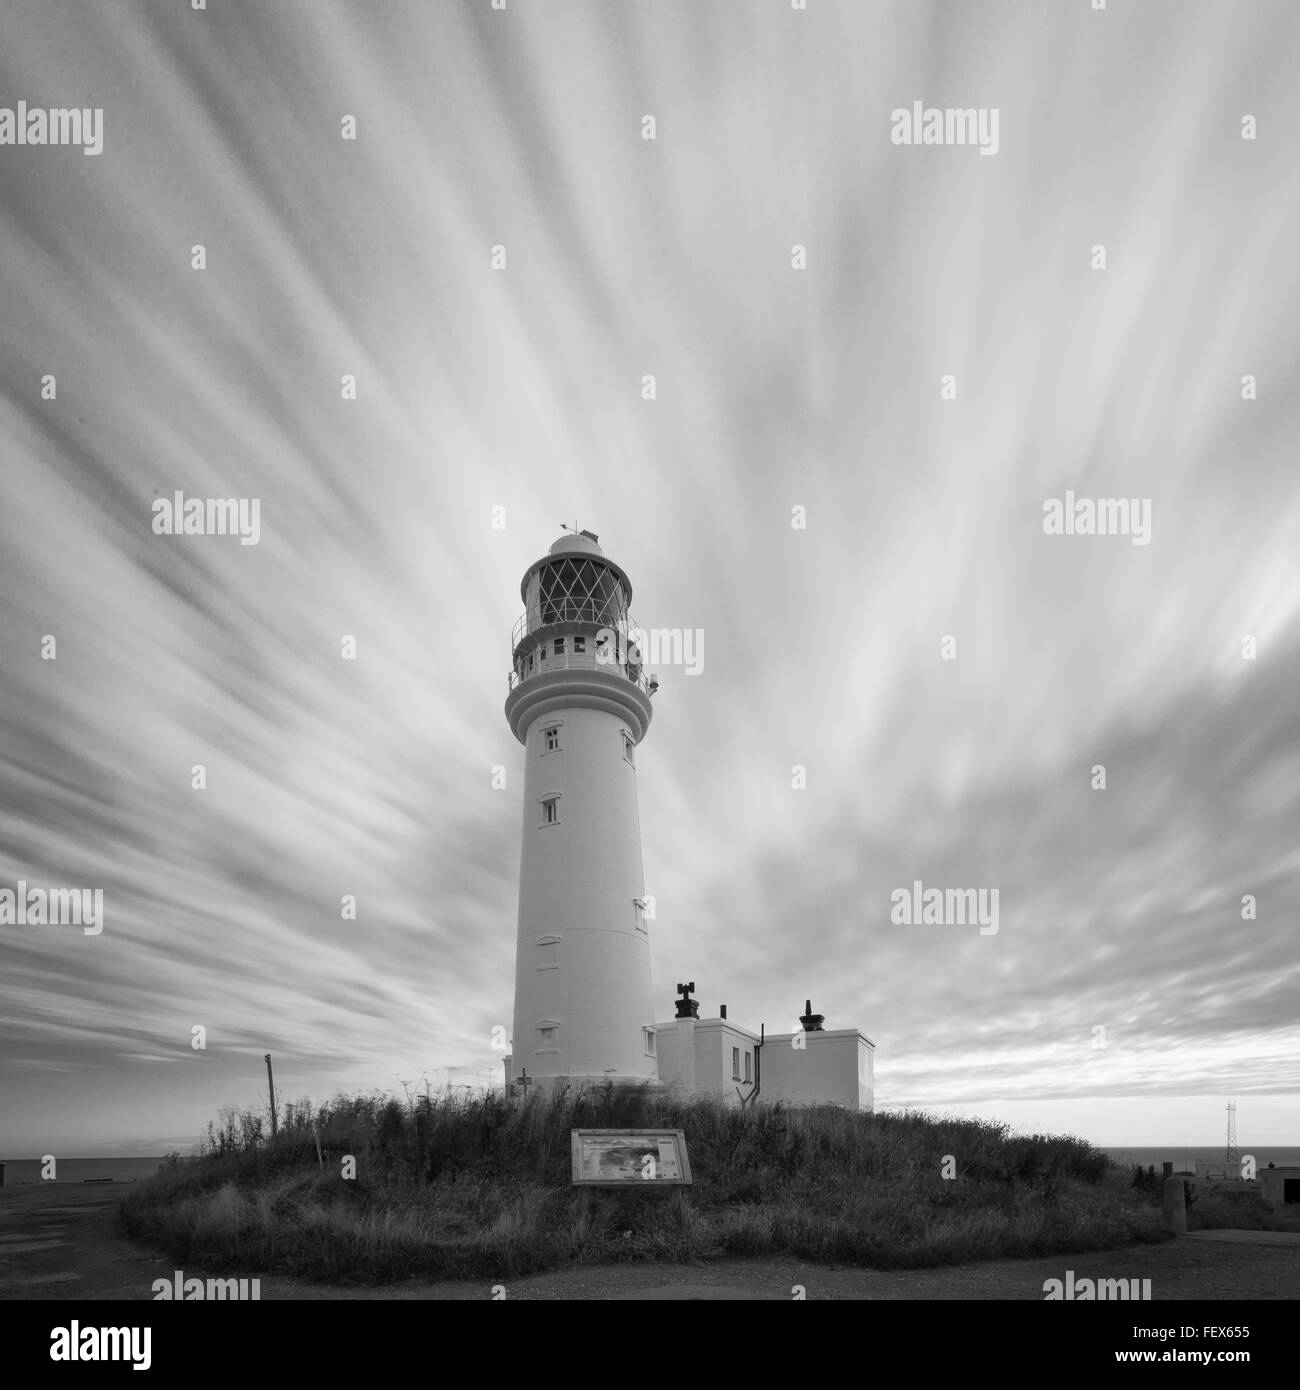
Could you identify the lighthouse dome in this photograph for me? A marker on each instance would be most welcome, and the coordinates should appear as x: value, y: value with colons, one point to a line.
x: 578, y: 542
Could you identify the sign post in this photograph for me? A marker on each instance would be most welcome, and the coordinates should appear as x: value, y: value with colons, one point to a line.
x: 629, y: 1158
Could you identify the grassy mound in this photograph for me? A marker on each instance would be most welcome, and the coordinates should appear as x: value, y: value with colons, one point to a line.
x: 456, y: 1187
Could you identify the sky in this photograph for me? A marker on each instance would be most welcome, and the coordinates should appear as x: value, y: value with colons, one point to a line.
x: 874, y: 363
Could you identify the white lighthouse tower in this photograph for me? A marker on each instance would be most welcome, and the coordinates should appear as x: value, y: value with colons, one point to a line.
x: 580, y: 704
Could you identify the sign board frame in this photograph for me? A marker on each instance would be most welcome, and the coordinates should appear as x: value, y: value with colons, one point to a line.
x: 616, y: 1157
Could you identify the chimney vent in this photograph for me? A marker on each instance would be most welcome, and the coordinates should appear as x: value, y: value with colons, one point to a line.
x: 812, y: 1023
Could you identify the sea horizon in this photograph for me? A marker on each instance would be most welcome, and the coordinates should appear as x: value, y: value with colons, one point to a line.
x: 26, y: 1172
x: 1187, y: 1156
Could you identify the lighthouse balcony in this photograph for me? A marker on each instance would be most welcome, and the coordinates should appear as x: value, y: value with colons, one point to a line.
x: 592, y: 616
x: 577, y: 680
x: 576, y: 661
x: 576, y: 641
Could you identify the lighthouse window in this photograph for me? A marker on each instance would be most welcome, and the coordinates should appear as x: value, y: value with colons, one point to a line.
x: 648, y: 1034
x: 548, y: 1039
x: 550, y: 811
x: 552, y: 740
x: 559, y: 646
x: 629, y: 748
x: 579, y: 644
x: 735, y: 1064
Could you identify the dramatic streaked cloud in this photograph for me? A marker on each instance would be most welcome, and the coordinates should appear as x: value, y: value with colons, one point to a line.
x: 775, y: 388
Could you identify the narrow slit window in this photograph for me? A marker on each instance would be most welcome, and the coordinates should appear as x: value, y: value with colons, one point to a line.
x: 550, y: 811
x: 735, y: 1064
x: 747, y: 1056
x: 552, y: 740
x: 648, y: 1034
x: 629, y: 748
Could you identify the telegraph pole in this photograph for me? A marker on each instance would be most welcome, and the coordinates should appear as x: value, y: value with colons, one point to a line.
x: 270, y: 1081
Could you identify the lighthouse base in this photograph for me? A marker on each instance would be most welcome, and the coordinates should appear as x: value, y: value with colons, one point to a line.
x: 548, y: 1084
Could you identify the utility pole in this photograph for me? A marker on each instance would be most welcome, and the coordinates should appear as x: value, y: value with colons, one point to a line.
x: 270, y: 1081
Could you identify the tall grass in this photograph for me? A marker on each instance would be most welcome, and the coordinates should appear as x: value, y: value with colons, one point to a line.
x: 465, y: 1186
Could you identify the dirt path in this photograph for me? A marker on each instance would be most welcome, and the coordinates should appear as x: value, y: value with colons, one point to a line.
x: 61, y: 1241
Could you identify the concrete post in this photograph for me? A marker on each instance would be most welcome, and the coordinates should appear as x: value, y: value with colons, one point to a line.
x: 1175, y: 1208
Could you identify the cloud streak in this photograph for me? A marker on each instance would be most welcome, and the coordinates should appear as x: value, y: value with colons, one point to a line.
x: 775, y: 388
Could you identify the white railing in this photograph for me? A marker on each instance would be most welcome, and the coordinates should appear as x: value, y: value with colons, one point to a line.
x: 581, y: 661
x: 595, y: 612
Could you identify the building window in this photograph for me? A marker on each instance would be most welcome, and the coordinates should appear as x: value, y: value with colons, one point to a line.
x: 552, y: 740
x: 579, y: 644
x: 648, y: 1037
x: 548, y: 1038
x: 559, y: 646
x: 551, y: 810
x: 747, y: 1066
x: 735, y: 1064
x: 629, y: 748
x: 638, y: 913
x: 530, y: 661
x: 548, y: 953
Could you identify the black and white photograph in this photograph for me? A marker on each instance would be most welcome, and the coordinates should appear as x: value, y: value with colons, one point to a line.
x: 716, y: 568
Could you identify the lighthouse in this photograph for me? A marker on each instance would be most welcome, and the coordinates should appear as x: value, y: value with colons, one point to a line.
x: 579, y: 703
